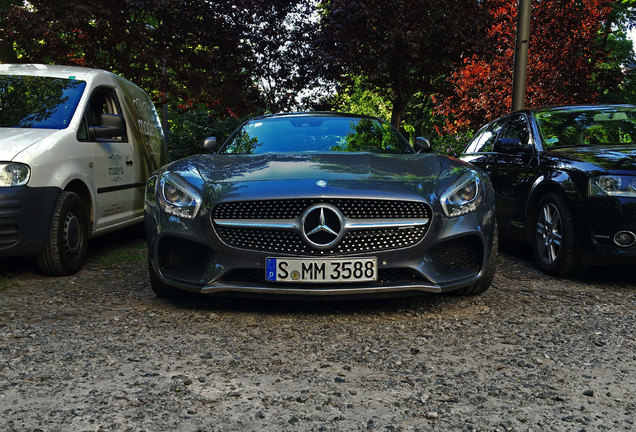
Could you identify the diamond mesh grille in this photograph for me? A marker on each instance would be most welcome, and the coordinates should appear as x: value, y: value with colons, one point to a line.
x: 354, y: 242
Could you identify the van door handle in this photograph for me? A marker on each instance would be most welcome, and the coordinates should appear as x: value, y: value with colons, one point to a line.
x: 129, y: 162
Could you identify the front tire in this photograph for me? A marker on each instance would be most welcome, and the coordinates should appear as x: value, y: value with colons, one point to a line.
x: 66, y: 247
x: 554, y: 241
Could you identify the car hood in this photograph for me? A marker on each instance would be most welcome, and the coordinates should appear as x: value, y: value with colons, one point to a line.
x: 15, y: 140
x: 619, y: 158
x: 329, y: 166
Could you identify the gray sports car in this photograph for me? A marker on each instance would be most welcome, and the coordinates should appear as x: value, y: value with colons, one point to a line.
x: 319, y: 204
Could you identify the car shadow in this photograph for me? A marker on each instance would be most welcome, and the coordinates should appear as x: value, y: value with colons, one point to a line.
x: 311, y: 306
x: 25, y: 266
x: 606, y: 275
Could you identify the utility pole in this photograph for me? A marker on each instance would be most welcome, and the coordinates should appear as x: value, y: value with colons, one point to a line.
x: 521, y: 55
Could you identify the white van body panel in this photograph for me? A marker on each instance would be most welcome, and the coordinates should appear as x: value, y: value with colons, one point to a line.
x: 111, y: 171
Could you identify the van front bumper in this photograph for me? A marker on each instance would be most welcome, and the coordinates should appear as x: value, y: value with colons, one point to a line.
x: 25, y: 219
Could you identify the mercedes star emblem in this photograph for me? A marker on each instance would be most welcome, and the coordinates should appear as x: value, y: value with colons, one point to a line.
x: 322, y: 226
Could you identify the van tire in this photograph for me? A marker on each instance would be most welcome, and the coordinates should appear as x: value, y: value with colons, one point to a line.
x: 66, y: 247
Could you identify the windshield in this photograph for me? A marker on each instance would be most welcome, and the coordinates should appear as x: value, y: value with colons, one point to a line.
x: 585, y: 126
x: 38, y: 102
x: 318, y: 134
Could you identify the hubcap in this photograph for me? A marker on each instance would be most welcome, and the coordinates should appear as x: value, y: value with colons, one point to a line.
x: 549, y: 236
x: 72, y: 233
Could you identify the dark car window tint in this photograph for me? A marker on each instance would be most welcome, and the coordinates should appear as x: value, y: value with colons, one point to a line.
x: 485, y: 140
x: 38, y: 102
x: 587, y: 126
x: 301, y: 134
x: 517, y: 127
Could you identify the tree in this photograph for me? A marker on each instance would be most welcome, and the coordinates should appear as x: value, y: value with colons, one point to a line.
x: 7, y: 55
x: 283, y: 65
x: 565, y: 61
x: 401, y: 47
x: 189, y: 50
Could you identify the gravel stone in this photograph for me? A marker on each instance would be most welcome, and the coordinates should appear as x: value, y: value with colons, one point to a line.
x: 97, y: 351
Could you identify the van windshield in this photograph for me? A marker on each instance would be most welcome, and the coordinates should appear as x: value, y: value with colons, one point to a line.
x: 38, y: 102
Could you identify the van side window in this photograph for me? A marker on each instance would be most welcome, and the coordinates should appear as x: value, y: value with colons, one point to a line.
x: 102, y: 101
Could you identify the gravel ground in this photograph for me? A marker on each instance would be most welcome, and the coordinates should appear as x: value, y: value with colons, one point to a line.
x: 98, y: 352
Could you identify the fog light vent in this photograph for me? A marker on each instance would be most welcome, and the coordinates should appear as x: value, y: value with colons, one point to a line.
x: 624, y: 238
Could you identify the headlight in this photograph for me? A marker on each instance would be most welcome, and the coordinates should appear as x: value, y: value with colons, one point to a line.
x: 175, y: 196
x: 463, y: 196
x: 14, y: 174
x: 613, y: 185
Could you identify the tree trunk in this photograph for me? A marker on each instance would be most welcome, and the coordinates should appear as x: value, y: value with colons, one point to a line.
x: 399, y: 105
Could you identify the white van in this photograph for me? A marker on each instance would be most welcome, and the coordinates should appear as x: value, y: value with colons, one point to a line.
x: 76, y: 148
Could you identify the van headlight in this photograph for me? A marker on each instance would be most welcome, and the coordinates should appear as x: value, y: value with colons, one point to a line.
x: 613, y: 185
x: 14, y: 174
x: 463, y: 196
x: 177, y: 197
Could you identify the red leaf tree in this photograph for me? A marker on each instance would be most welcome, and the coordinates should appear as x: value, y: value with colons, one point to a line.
x: 565, y: 61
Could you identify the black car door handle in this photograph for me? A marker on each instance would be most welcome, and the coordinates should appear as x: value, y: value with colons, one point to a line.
x: 129, y: 162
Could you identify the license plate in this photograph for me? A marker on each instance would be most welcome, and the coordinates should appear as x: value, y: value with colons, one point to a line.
x: 321, y: 270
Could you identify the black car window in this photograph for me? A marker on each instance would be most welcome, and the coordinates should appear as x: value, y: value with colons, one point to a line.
x: 517, y: 127
x: 486, y: 137
x: 321, y: 133
x: 571, y: 127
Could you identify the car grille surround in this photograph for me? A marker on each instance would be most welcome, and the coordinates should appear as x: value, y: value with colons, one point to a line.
x: 374, y: 225
x: 350, y: 207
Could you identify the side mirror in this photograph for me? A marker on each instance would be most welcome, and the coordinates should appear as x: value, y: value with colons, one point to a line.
x: 110, y: 126
x: 209, y: 145
x: 422, y: 145
x: 510, y: 145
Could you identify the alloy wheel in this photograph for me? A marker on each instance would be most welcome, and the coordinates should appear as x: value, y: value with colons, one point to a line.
x: 549, y: 236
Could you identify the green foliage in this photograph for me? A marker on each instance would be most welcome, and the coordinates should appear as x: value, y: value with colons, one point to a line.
x: 124, y: 257
x: 189, y: 128
x: 371, y: 136
x: 357, y: 97
x: 419, y: 118
x: 452, y: 145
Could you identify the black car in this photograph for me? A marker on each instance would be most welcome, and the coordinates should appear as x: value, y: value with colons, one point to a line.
x: 565, y: 181
x: 319, y: 204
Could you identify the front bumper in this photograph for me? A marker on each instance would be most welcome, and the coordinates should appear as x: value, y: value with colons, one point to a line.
x: 596, y: 225
x: 187, y: 254
x: 25, y: 219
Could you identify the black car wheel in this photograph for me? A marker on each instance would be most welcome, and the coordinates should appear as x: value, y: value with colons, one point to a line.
x: 554, y: 242
x: 66, y: 246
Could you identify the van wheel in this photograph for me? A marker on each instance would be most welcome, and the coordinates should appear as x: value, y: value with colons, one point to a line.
x: 65, y: 249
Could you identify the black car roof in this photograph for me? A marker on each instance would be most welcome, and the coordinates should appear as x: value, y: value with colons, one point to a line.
x: 578, y: 107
